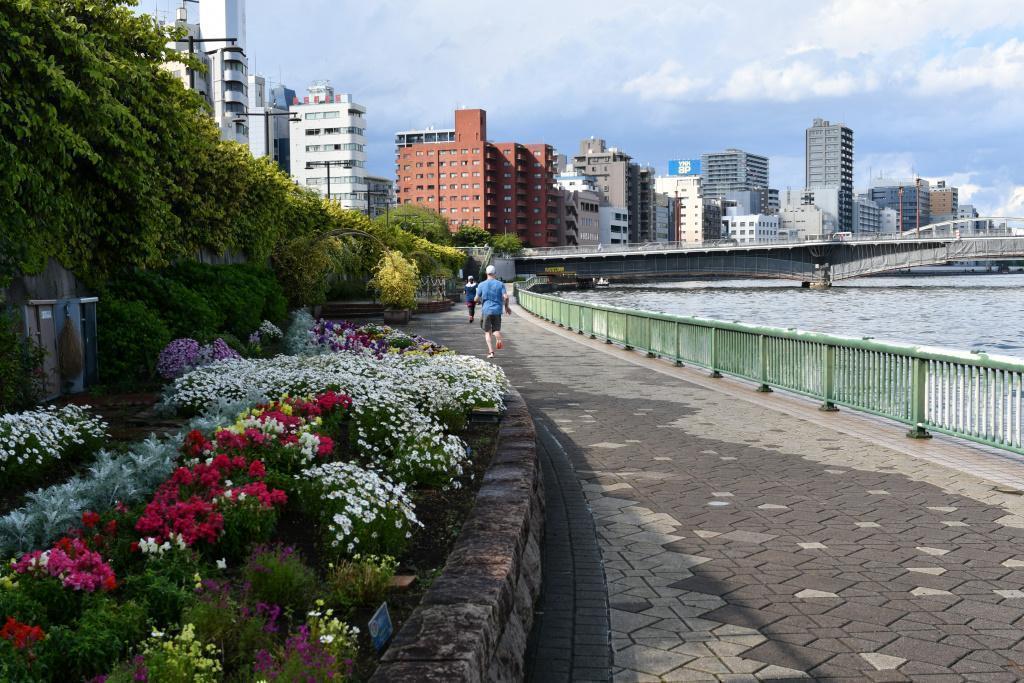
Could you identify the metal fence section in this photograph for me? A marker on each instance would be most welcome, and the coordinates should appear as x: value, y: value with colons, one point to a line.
x: 970, y: 395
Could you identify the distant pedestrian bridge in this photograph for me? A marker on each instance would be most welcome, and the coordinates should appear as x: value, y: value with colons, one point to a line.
x: 817, y: 263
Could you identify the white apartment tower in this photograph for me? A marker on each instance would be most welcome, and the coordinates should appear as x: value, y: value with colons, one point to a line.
x: 218, y: 41
x: 328, y: 145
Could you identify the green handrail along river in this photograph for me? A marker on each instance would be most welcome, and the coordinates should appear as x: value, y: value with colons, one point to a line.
x: 972, y: 395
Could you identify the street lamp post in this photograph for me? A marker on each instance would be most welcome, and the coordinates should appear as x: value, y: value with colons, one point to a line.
x: 327, y: 164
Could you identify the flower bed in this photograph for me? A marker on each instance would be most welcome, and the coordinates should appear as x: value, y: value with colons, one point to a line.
x: 192, y: 558
x: 36, y: 437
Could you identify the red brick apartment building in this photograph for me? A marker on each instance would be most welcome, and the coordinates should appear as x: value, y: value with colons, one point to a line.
x: 503, y: 187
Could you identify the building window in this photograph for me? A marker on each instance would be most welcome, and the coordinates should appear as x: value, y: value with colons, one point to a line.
x: 312, y: 131
x: 316, y: 115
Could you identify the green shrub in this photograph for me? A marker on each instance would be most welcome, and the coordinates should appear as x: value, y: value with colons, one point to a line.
x: 165, y: 599
x: 246, y: 524
x: 15, y: 603
x: 185, y: 312
x: 278, y: 576
x: 348, y: 290
x: 360, y: 582
x: 243, y: 295
x: 238, y: 633
x: 131, y: 336
x: 21, y: 383
x: 105, y: 633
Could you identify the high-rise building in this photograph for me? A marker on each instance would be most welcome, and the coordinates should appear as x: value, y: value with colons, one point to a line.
x: 503, y: 187
x: 733, y: 171
x: 217, y: 40
x: 944, y: 202
x: 268, y: 124
x: 617, y: 177
x: 328, y: 145
x: 829, y: 164
x: 910, y: 199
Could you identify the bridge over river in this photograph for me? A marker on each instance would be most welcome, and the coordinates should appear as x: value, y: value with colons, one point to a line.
x: 818, y: 263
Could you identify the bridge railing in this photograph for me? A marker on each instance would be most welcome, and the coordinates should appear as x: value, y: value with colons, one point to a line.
x: 965, y: 394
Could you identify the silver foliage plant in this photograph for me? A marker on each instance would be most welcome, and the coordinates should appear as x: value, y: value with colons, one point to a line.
x: 126, y: 477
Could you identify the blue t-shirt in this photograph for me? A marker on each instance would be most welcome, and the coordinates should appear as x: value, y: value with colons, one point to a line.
x: 470, y: 292
x: 492, y: 294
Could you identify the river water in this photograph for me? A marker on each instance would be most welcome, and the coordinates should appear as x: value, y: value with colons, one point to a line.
x: 967, y: 312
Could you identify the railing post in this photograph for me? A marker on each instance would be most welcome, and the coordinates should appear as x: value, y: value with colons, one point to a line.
x: 714, y: 353
x: 918, y: 397
x: 762, y: 349
x: 679, y: 351
x: 650, y: 339
x: 829, y: 374
x: 626, y: 345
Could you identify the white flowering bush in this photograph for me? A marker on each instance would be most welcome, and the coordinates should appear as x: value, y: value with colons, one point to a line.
x: 39, y: 437
x: 360, y: 510
x: 269, y: 330
x: 402, y: 405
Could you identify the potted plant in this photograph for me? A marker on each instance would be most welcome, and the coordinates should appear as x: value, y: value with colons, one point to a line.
x: 395, y: 277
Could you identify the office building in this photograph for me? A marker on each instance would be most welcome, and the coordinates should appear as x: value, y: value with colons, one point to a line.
x: 867, y: 216
x: 910, y: 199
x: 613, y: 223
x: 328, y: 145
x: 827, y: 199
x: 829, y: 164
x: 695, y: 218
x: 580, y: 217
x: 944, y: 202
x: 750, y: 228
x: 218, y: 41
x: 733, y: 171
x: 503, y: 187
x: 805, y: 222
x: 774, y: 203
x: 888, y: 221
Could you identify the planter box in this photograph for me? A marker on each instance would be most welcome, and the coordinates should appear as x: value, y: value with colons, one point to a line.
x: 397, y: 316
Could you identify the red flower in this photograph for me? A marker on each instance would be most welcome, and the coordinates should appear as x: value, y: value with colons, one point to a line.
x: 257, y: 469
x: 90, y: 519
x: 22, y: 635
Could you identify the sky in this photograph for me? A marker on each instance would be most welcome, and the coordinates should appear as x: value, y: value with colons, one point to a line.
x: 930, y: 87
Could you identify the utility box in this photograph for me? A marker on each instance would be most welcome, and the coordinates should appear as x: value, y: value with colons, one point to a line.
x: 49, y: 322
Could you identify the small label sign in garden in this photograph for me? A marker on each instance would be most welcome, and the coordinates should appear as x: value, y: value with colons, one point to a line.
x: 380, y: 626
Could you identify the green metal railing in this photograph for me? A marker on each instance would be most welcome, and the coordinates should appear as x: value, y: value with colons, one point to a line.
x: 969, y: 395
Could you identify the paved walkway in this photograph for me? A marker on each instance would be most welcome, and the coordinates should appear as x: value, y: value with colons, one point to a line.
x: 749, y: 537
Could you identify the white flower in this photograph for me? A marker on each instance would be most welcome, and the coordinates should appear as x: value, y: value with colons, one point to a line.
x: 222, y: 564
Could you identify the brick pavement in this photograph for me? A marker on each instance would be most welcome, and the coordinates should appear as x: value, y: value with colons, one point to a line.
x: 747, y: 538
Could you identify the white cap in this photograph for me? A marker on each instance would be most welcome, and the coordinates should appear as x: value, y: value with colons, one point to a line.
x: 490, y: 270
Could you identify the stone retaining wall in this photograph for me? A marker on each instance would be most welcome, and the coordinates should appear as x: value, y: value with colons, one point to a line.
x: 473, y: 622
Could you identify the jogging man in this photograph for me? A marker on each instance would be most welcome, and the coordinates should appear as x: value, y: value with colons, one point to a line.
x: 470, y: 296
x: 492, y: 293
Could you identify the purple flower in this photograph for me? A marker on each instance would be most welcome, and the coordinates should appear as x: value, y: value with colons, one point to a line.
x: 177, y: 358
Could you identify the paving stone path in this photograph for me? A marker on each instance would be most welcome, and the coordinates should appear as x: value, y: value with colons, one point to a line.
x: 745, y: 540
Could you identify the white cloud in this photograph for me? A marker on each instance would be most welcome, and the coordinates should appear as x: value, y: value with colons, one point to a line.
x: 795, y: 81
x: 998, y: 67
x: 1013, y: 203
x: 669, y: 81
x: 855, y: 27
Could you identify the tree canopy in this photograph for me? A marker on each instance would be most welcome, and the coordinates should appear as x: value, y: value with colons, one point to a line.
x: 108, y: 163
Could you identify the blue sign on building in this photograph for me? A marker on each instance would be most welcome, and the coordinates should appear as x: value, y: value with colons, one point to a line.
x: 684, y: 167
